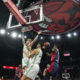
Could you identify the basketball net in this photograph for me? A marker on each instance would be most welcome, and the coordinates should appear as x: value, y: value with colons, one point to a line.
x: 24, y: 29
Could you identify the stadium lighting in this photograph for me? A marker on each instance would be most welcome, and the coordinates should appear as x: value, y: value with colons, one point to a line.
x: 52, y: 37
x: 25, y: 37
x: 2, y: 31
x: 69, y: 35
x: 41, y: 37
x: 8, y: 33
x: 19, y: 36
x: 75, y: 34
x: 58, y: 37
x: 14, y: 35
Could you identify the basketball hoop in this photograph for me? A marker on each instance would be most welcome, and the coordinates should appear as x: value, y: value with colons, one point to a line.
x: 28, y: 15
x: 29, y: 28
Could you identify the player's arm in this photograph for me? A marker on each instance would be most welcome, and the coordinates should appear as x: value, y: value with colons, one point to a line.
x: 23, y: 40
x: 35, y: 39
x: 48, y: 54
x: 46, y: 69
x: 44, y: 72
x: 36, y: 51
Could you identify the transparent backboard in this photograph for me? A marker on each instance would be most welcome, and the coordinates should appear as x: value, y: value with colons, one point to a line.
x: 32, y: 15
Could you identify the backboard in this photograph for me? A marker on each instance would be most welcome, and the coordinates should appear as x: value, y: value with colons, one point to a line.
x: 32, y: 15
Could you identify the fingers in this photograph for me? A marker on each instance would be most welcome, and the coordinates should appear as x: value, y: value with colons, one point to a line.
x: 40, y: 32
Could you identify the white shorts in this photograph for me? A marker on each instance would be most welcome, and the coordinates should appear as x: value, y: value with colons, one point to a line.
x: 32, y: 71
x: 25, y: 62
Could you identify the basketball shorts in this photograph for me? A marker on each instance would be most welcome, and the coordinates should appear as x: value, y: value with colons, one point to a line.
x: 32, y: 71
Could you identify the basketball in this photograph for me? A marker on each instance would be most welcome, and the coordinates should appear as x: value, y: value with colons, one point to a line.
x: 47, y: 44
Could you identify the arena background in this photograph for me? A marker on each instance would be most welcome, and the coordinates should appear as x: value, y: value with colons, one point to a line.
x: 11, y: 49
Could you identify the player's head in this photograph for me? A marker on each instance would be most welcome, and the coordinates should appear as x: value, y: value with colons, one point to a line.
x: 28, y: 41
x: 47, y: 44
x: 54, y: 48
x: 38, y: 45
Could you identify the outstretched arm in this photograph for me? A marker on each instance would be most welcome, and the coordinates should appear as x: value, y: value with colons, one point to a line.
x: 35, y: 39
x: 32, y: 53
x: 23, y: 40
x: 48, y: 54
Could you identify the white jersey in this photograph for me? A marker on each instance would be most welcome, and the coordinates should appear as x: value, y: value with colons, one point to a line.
x: 36, y: 58
x: 34, y: 68
x: 25, y: 59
